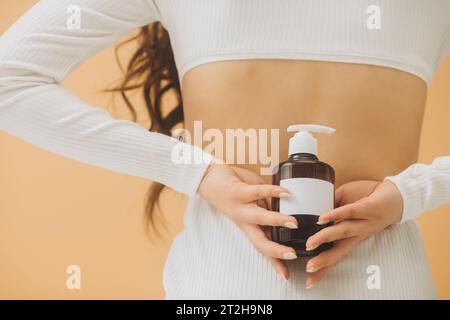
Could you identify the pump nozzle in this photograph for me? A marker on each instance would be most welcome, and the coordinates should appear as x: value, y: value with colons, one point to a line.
x: 303, y: 141
x: 311, y: 127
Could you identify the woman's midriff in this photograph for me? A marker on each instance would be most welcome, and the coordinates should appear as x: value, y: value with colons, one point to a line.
x: 377, y: 111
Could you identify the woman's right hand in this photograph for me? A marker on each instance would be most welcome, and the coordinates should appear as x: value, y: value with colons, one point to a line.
x: 244, y: 197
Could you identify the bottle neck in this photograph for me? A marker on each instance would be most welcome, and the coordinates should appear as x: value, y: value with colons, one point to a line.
x: 303, y: 156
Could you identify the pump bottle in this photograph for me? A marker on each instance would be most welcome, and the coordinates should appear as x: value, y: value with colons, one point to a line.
x: 311, y: 185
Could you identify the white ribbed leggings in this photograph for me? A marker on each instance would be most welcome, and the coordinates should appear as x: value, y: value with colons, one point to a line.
x: 212, y: 259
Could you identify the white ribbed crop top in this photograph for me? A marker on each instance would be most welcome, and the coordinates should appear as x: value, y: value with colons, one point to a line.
x: 410, y: 35
x: 45, y: 45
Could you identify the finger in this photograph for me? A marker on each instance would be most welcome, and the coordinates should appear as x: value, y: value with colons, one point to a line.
x: 262, y: 203
x: 320, y: 265
x: 248, y: 178
x: 257, y: 215
x: 268, y: 202
x: 341, y: 230
x: 355, y: 210
x: 280, y: 267
x: 314, y: 278
x: 265, y: 246
x: 260, y: 191
x: 331, y: 256
x: 338, y: 196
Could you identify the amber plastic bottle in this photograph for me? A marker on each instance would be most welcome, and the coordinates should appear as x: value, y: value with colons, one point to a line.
x: 311, y: 185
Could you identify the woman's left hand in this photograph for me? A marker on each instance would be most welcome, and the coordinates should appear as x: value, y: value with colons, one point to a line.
x: 363, y: 208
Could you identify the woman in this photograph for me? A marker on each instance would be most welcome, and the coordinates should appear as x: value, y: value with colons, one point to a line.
x: 362, y: 68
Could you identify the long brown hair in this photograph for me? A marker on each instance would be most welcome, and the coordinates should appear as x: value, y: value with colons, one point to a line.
x: 152, y: 71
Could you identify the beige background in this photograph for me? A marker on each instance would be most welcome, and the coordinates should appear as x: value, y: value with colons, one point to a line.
x: 55, y: 212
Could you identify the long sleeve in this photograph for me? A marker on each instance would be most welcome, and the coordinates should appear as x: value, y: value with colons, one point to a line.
x: 40, y: 50
x: 423, y: 186
x: 445, y: 51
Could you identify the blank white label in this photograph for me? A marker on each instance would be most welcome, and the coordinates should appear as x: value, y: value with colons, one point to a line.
x: 308, y: 196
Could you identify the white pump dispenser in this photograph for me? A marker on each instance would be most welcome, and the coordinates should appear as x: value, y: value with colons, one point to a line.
x: 303, y: 141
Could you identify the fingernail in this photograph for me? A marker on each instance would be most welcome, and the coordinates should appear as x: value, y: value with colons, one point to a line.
x: 284, y: 195
x: 291, y: 225
x: 289, y: 256
x: 311, y: 247
x: 284, y: 277
x: 312, y: 269
x: 322, y: 222
x: 309, y: 285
